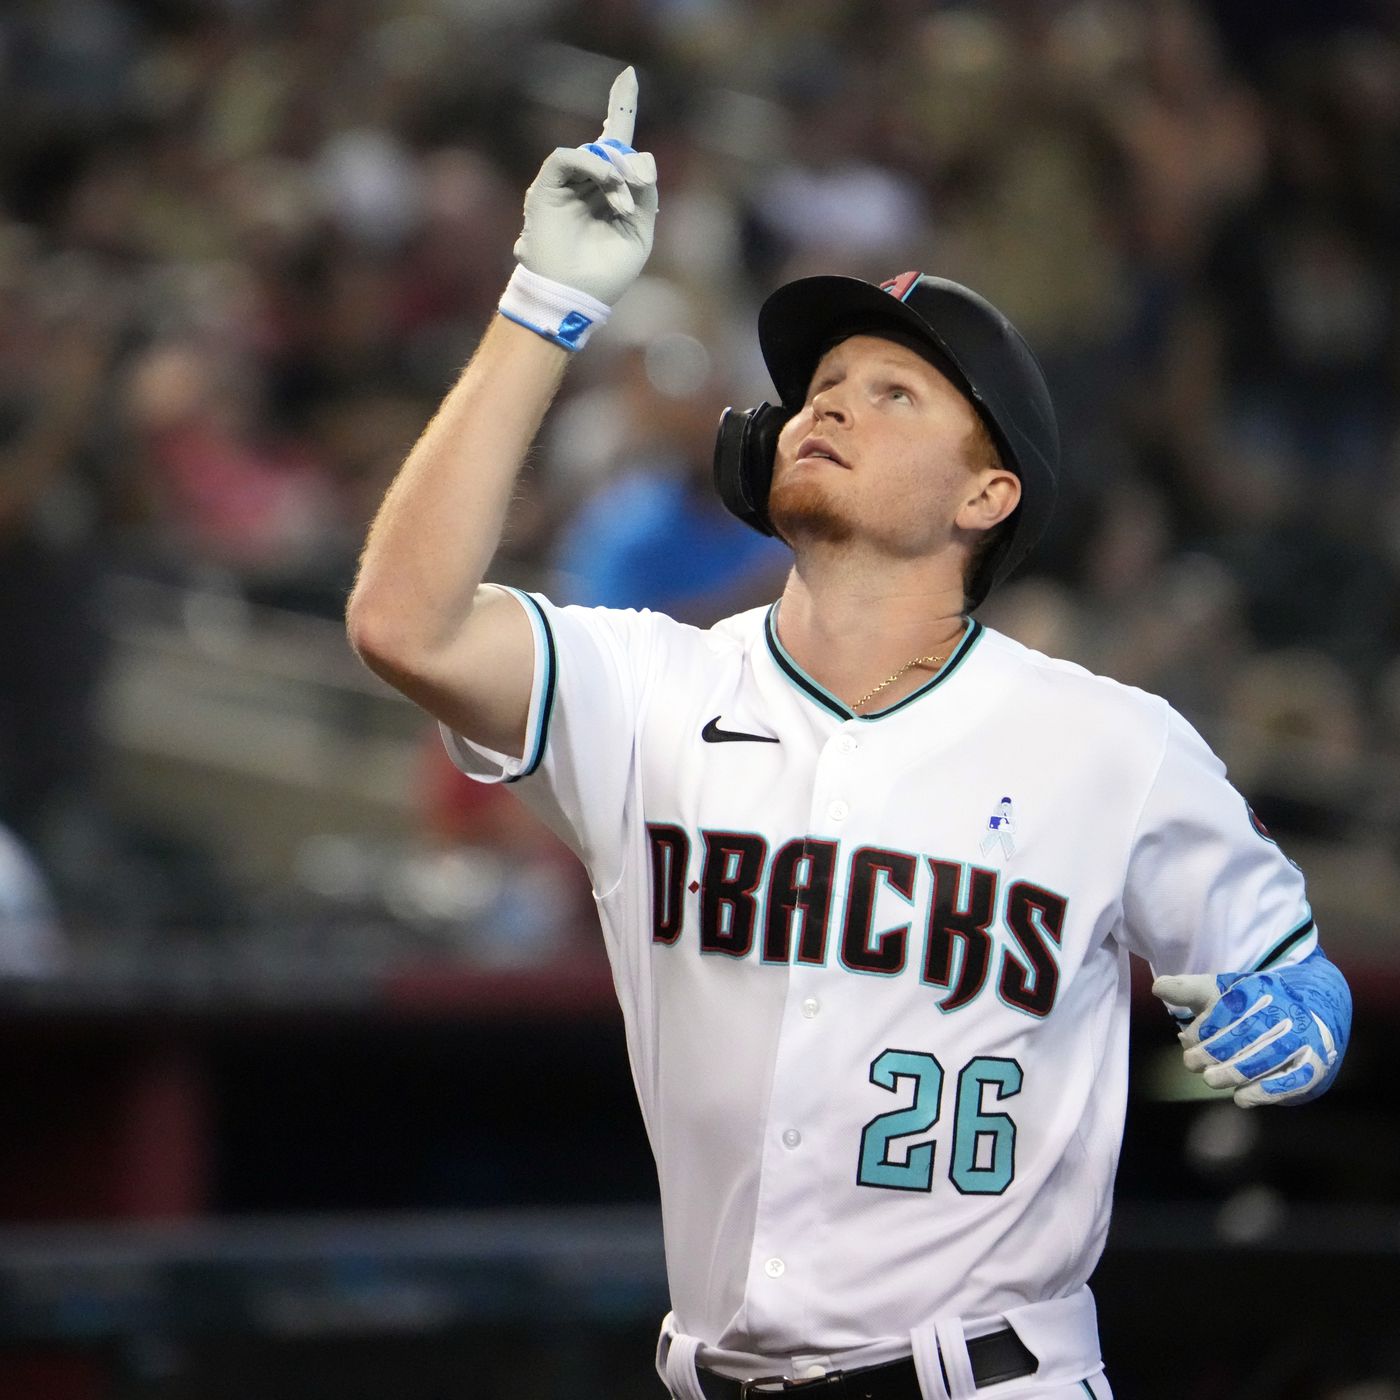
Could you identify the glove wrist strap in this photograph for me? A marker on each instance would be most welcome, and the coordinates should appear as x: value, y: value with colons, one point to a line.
x: 558, y: 313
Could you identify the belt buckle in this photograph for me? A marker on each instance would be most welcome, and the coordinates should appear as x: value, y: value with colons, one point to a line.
x: 781, y: 1385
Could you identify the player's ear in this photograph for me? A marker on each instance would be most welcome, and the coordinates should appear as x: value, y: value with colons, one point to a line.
x: 995, y: 493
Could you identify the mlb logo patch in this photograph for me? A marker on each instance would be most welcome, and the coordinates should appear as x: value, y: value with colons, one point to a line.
x: 1001, y: 829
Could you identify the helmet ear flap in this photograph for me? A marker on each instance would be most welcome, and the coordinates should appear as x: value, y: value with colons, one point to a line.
x: 745, y: 447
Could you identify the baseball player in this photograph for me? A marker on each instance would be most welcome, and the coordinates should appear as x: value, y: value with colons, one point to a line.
x: 868, y: 873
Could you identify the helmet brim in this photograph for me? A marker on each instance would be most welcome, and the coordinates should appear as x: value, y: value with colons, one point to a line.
x: 799, y: 322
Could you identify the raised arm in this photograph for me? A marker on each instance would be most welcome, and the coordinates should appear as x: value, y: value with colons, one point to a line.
x: 419, y: 615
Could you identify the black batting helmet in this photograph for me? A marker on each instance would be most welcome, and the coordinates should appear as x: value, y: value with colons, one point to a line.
x: 980, y: 352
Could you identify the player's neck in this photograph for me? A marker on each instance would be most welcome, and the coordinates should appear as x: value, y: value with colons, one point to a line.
x: 849, y: 635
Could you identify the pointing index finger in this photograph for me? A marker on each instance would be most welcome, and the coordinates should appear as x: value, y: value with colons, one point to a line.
x: 622, y: 108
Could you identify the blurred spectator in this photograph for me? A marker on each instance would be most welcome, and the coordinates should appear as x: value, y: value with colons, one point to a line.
x: 1297, y: 743
x: 56, y: 339
x: 230, y: 495
x: 655, y: 537
x: 30, y: 942
x: 244, y: 247
x: 532, y: 896
x: 831, y: 204
x: 1303, y: 281
x: 233, y: 494
x: 650, y: 531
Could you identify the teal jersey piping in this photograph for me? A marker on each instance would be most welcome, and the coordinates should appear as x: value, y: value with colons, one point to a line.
x: 803, y: 682
x: 1089, y: 1390
x: 544, y: 637
x: 1287, y: 943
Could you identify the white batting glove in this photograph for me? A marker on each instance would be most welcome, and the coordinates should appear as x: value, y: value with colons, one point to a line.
x: 1273, y: 1037
x: 589, y: 221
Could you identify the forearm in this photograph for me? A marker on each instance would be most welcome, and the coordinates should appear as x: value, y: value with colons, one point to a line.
x: 417, y: 616
x: 441, y: 520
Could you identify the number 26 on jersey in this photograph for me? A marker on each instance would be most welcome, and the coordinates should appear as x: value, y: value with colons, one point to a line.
x: 982, y: 1153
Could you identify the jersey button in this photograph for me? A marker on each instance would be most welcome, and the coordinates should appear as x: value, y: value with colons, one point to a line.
x: 847, y: 743
x: 810, y: 1007
x: 838, y: 811
x: 791, y: 1137
x: 774, y: 1268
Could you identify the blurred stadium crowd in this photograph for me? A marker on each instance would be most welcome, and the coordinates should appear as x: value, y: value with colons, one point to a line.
x: 245, y: 246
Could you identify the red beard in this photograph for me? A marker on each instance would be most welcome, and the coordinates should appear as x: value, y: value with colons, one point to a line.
x: 803, y: 510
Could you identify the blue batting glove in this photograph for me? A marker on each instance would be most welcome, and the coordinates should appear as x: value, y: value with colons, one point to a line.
x: 1274, y: 1037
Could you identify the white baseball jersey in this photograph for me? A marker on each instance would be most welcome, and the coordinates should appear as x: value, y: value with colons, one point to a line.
x: 874, y: 969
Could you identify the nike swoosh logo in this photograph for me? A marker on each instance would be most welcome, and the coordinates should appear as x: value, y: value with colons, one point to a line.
x: 713, y: 734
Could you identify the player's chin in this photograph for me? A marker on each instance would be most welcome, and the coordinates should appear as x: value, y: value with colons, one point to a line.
x: 803, y: 510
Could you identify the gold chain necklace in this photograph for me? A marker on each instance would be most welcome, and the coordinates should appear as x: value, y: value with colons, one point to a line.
x: 929, y: 661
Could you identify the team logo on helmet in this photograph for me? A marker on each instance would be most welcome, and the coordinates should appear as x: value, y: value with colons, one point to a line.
x: 900, y: 287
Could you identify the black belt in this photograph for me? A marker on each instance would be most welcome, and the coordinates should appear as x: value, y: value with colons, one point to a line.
x: 999, y: 1356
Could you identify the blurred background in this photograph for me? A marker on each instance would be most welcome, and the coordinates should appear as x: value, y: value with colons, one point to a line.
x: 284, y: 1000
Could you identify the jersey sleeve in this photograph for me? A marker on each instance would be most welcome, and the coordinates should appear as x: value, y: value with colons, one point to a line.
x: 1207, y: 888
x: 580, y: 733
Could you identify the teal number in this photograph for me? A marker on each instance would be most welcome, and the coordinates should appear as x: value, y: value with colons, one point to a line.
x: 915, y: 1172
x: 984, y: 1144
x: 983, y: 1159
